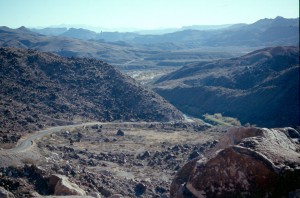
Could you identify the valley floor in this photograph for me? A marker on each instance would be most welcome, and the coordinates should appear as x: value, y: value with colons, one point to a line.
x: 132, y: 159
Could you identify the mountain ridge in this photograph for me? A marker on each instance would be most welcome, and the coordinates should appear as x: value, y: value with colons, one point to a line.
x: 261, y: 87
x: 285, y: 32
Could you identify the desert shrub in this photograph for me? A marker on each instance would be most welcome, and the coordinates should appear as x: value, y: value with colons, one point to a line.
x: 218, y: 119
x: 218, y: 116
x: 232, y: 121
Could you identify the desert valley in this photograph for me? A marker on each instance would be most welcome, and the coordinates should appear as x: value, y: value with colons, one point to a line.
x: 197, y: 111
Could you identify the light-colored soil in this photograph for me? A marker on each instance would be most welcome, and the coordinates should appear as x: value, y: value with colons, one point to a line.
x: 97, y: 159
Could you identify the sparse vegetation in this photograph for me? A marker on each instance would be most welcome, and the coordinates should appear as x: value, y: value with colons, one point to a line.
x: 118, y: 137
x: 219, y: 119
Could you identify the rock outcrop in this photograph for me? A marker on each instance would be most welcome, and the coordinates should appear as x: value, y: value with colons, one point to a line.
x: 60, y: 185
x: 5, y: 194
x: 246, y: 162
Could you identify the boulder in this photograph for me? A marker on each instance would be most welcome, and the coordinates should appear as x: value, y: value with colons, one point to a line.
x: 120, y: 133
x: 251, y: 162
x: 140, y: 188
x: 145, y: 155
x: 5, y: 194
x: 105, y: 192
x: 60, y: 185
x: 194, y: 154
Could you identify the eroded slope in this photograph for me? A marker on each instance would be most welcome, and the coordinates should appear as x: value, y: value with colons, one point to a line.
x: 261, y: 87
x: 44, y: 89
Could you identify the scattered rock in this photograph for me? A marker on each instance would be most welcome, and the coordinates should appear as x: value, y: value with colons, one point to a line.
x: 92, y: 162
x: 194, y: 154
x: 96, y: 126
x: 105, y: 192
x: 145, y: 155
x: 120, y: 133
x: 60, y: 185
x: 140, y: 188
x: 160, y: 189
x: 170, y: 156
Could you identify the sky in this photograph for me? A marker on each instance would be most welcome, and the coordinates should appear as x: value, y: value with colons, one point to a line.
x: 141, y: 14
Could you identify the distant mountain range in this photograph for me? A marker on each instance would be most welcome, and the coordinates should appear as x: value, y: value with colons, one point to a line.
x: 50, y: 31
x: 66, y: 46
x: 118, y: 53
x: 62, y: 29
x: 265, y: 32
x: 45, y: 89
x: 260, y: 88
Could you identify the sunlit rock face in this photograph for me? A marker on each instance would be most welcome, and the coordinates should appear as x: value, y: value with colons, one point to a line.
x: 246, y: 162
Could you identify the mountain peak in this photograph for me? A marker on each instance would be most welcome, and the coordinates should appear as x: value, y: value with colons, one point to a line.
x: 23, y: 28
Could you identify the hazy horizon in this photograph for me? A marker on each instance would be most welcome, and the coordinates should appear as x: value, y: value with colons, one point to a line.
x: 136, y: 15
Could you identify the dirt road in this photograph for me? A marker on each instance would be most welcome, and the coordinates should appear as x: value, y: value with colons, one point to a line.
x: 27, y: 141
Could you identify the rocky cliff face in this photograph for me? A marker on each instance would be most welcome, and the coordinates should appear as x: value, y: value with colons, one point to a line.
x: 261, y: 87
x: 247, y: 162
x: 40, y: 89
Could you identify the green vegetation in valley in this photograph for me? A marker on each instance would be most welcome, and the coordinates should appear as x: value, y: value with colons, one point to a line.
x: 218, y: 119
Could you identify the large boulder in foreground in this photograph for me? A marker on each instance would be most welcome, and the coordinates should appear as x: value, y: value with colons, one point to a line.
x: 60, y: 185
x: 247, y: 162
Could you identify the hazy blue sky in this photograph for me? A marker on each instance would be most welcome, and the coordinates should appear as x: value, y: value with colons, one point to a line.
x: 143, y: 14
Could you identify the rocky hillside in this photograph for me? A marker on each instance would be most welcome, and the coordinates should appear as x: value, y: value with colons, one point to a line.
x: 260, y: 88
x: 40, y: 89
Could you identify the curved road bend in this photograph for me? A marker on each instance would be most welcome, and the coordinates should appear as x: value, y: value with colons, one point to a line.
x: 27, y: 141
x: 24, y: 144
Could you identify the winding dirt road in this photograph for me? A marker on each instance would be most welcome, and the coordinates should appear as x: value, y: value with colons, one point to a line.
x: 27, y: 141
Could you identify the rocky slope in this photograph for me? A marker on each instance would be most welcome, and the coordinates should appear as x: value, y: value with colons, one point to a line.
x: 260, y: 88
x: 131, y: 159
x: 247, y: 162
x: 40, y: 89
